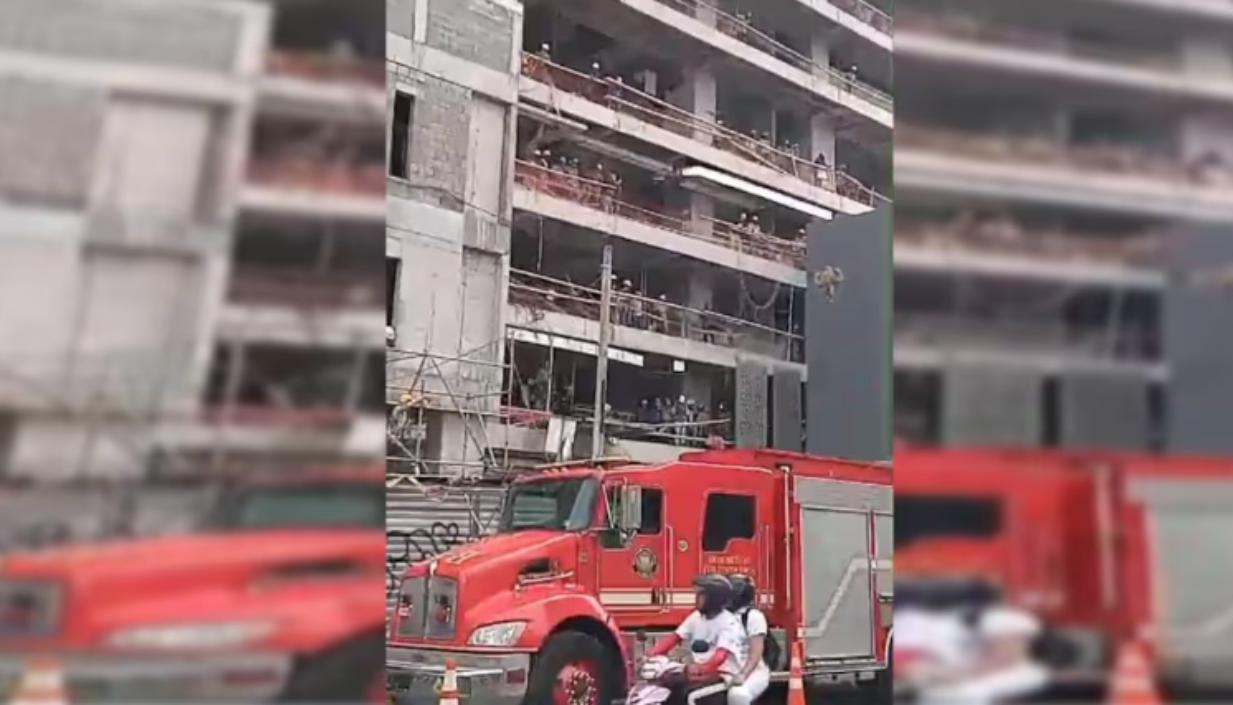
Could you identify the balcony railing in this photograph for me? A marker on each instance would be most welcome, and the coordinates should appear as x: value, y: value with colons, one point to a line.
x: 868, y: 14
x: 323, y: 67
x: 268, y: 285
x: 744, y: 31
x: 315, y: 174
x: 622, y: 98
x: 624, y: 424
x: 1121, y: 160
x: 541, y: 293
x: 607, y: 198
x: 945, y: 330
x: 960, y: 26
x: 1006, y: 236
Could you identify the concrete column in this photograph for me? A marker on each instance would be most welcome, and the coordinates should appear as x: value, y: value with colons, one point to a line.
x: 705, y: 13
x: 649, y: 81
x: 1202, y: 56
x: 697, y: 94
x: 1062, y: 125
x: 696, y: 209
x: 821, y: 138
x: 820, y: 51
x: 699, y: 291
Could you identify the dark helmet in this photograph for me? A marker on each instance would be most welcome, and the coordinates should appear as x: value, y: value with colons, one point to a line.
x: 743, y: 592
x: 716, y: 593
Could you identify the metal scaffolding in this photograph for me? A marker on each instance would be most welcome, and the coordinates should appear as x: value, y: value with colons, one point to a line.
x: 423, y: 389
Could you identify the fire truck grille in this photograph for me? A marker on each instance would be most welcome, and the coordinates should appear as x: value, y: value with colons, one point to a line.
x: 28, y: 608
x: 442, y: 607
x: 411, y: 612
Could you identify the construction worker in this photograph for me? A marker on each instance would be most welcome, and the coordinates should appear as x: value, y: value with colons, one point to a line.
x: 624, y: 304
x: 660, y: 313
x: 712, y: 634
x: 754, y: 678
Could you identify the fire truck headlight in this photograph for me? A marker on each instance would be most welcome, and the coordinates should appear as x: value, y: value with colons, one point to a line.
x: 191, y: 636
x: 500, y: 634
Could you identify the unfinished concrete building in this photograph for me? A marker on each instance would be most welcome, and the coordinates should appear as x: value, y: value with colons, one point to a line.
x: 1047, y: 157
x: 297, y: 359
x: 169, y: 304
x: 699, y: 141
x: 123, y: 129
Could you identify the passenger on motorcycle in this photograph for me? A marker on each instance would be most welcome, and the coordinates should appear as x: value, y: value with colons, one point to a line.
x: 713, y: 635
x: 755, y: 676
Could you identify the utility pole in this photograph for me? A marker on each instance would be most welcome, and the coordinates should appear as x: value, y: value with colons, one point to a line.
x: 601, y: 356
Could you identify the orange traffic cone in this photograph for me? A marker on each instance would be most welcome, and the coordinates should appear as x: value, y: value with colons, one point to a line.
x: 796, y: 680
x: 1131, y: 682
x: 449, y: 684
x: 41, y: 684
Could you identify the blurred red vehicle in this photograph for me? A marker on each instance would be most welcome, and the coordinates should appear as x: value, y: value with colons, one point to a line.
x: 1102, y: 547
x: 278, y: 596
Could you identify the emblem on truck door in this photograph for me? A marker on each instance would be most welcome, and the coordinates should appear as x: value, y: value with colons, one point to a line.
x: 645, y: 563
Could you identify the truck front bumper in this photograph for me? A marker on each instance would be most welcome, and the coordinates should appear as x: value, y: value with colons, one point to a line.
x: 413, y: 676
x: 206, y: 678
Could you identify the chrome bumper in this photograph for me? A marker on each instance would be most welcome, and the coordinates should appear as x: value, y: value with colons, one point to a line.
x: 207, y: 678
x: 483, y: 679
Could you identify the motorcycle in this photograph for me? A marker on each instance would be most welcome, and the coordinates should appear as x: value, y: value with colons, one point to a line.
x: 661, y: 680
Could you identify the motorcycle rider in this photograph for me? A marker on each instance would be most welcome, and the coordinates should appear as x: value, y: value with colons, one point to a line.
x: 755, y: 676
x: 711, y: 632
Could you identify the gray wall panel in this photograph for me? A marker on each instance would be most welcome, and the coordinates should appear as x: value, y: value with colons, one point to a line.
x: 848, y: 340
x: 751, y: 403
x: 1102, y: 410
x: 1198, y: 325
x: 991, y: 405
x: 787, y: 410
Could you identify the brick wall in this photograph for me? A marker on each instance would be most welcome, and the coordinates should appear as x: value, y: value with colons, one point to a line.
x: 475, y: 30
x: 440, y: 124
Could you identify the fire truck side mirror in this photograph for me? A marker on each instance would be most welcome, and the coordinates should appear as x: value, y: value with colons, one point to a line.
x: 630, y: 519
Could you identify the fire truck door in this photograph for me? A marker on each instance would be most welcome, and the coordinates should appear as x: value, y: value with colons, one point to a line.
x: 730, y: 539
x: 633, y: 567
x: 836, y: 567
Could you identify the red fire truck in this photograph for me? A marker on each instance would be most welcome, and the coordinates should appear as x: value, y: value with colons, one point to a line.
x: 592, y: 563
x: 277, y: 596
x: 1102, y: 547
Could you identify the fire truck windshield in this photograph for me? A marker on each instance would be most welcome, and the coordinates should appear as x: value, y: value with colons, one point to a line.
x: 326, y: 506
x: 557, y: 505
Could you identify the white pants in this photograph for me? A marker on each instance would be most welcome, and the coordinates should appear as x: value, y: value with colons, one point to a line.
x: 754, y: 686
x: 1013, y: 682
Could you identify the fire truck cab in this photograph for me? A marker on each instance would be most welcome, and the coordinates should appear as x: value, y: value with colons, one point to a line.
x: 590, y: 564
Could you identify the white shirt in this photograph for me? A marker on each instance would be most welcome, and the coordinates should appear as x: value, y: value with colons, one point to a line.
x: 941, y: 635
x: 723, y: 631
x: 755, y: 625
x: 1003, y: 622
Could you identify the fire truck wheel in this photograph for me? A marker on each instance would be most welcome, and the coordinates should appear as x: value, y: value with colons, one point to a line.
x: 573, y: 669
x: 342, y: 673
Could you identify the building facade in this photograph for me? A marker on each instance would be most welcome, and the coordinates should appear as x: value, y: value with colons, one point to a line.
x: 695, y: 142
